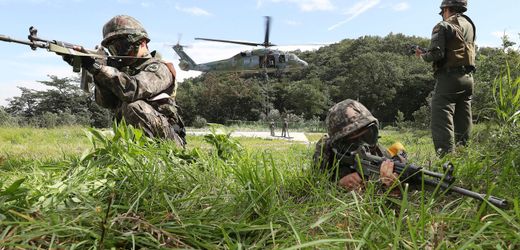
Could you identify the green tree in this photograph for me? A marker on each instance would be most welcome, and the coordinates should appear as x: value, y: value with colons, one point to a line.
x: 306, y: 98
x: 220, y: 97
x: 62, y: 103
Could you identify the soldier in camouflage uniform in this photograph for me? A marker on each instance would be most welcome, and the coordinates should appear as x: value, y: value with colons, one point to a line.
x: 350, y: 125
x: 141, y: 88
x: 452, y: 52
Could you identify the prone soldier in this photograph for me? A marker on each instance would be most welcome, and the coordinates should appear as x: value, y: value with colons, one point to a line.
x: 350, y: 126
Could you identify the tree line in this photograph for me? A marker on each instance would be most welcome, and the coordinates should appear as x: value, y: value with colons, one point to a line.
x: 380, y: 72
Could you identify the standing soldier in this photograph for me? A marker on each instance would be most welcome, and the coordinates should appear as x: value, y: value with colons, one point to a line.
x: 140, y: 88
x: 285, y: 128
x: 452, y: 52
x: 271, y: 127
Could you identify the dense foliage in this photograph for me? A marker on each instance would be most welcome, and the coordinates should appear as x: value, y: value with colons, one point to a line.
x: 61, y: 103
x: 377, y: 71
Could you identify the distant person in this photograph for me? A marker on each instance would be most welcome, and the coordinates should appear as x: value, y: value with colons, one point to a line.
x: 285, y: 128
x: 452, y: 52
x: 349, y: 126
x: 272, y: 127
x: 140, y: 89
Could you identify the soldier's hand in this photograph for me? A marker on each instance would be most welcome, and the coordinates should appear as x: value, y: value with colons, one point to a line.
x: 418, y: 52
x: 86, y: 62
x: 351, y: 182
x: 386, y: 173
x: 68, y: 59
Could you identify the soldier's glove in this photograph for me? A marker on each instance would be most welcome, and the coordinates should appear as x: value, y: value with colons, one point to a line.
x: 87, y: 63
x: 68, y: 59
x: 90, y: 64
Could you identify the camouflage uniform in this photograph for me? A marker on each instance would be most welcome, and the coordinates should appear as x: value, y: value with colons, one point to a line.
x: 343, y: 120
x: 140, y: 90
x: 452, y: 52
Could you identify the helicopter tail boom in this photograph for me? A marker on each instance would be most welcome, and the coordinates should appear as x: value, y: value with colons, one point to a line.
x: 186, y: 63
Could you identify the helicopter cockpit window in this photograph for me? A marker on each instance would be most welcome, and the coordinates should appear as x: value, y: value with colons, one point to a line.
x: 281, y: 58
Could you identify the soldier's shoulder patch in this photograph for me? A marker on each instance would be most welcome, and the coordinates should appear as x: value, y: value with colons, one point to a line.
x: 153, y: 67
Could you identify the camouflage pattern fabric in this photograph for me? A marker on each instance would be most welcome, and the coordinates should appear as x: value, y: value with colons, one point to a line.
x: 325, y: 160
x: 129, y: 92
x: 123, y: 26
x: 346, y: 117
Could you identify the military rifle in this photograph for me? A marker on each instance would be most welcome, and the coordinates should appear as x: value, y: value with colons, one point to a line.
x: 367, y: 164
x: 76, y: 52
x: 413, y: 48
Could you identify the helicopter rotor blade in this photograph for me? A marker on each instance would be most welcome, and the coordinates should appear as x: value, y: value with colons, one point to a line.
x: 179, y: 36
x: 267, y: 31
x: 229, y: 41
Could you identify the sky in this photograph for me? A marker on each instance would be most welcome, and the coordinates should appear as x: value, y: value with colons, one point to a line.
x: 303, y: 24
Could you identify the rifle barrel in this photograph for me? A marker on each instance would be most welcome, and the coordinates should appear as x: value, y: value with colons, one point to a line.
x: 11, y: 40
x: 419, y: 174
x: 501, y: 203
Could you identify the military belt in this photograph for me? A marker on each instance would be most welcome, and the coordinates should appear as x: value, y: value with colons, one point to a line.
x: 460, y: 69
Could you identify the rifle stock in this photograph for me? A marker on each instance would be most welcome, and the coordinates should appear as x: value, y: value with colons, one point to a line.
x: 410, y: 173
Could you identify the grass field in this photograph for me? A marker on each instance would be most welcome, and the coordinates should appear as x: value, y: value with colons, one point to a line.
x: 75, y: 188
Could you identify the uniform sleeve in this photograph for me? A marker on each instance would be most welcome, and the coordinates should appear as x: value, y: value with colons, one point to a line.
x: 322, y: 154
x: 105, y: 98
x: 325, y: 161
x: 437, y: 47
x: 151, y: 81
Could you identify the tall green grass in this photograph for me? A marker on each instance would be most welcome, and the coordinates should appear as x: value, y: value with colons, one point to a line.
x: 130, y: 192
x: 506, y: 93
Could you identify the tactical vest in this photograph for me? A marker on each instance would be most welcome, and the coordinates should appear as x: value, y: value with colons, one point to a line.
x: 459, y: 52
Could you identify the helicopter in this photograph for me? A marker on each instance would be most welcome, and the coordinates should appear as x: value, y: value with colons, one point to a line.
x: 257, y: 60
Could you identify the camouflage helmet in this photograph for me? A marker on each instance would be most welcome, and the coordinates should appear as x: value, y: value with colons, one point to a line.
x: 347, y: 117
x: 123, y: 26
x: 460, y: 5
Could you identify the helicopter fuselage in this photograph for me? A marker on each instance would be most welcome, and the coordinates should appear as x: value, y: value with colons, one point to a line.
x: 257, y: 60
